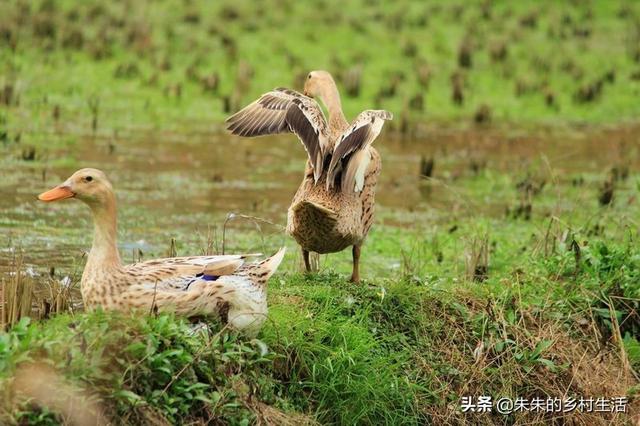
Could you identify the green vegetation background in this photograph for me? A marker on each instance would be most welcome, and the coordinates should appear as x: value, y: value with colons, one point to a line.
x: 562, y: 285
x: 173, y: 63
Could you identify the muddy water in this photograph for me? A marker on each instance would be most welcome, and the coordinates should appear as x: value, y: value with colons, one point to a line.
x: 181, y: 185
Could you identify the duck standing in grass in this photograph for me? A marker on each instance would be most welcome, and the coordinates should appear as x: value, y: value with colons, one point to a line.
x: 188, y: 286
x: 333, y: 207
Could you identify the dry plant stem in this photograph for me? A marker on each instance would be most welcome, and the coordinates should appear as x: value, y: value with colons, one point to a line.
x: 618, y: 338
x: 17, y: 294
x: 256, y: 221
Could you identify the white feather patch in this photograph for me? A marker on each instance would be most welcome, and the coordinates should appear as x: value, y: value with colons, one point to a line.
x: 353, y: 178
x: 361, y: 170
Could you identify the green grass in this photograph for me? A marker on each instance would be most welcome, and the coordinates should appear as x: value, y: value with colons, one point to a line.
x: 130, y: 59
x: 393, y: 351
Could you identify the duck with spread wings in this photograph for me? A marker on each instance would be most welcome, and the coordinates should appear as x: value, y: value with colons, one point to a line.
x: 333, y: 207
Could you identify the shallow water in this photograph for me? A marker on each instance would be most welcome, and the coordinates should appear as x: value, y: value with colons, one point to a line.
x: 183, y: 186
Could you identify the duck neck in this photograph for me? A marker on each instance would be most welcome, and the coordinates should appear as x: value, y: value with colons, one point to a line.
x: 104, y: 251
x: 331, y: 99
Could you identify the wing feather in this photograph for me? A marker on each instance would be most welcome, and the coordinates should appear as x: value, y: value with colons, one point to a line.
x: 286, y: 111
x: 362, y: 132
x: 177, y: 273
x: 354, y: 174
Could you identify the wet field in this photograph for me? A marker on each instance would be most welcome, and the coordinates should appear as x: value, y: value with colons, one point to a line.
x: 183, y: 186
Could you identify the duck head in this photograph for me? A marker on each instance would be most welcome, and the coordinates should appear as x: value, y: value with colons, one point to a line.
x: 88, y: 185
x: 318, y: 83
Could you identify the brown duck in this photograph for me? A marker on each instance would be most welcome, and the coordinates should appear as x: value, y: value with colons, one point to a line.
x: 333, y: 207
x: 189, y: 286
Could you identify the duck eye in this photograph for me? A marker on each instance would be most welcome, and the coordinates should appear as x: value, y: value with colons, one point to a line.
x: 309, y: 77
x: 88, y: 179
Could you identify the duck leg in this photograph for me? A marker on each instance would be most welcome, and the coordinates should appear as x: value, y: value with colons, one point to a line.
x: 314, y: 261
x: 311, y: 261
x: 355, y: 275
x: 305, y: 256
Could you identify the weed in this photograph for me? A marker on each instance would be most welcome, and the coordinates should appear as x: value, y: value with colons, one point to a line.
x: 477, y: 258
x: 16, y: 297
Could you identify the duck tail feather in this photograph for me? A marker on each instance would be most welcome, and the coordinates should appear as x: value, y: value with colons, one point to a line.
x: 271, y: 264
x: 306, y: 205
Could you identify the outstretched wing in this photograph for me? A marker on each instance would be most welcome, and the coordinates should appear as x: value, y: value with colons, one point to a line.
x: 362, y: 132
x: 282, y: 111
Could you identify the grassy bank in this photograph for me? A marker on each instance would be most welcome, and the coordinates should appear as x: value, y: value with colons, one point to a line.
x: 401, y: 348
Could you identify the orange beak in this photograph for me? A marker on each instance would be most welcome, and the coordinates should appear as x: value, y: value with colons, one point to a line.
x: 55, y: 194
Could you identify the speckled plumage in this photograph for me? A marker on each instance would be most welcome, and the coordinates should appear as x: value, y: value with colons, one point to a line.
x: 181, y: 286
x: 328, y: 221
x: 189, y: 286
x: 334, y: 205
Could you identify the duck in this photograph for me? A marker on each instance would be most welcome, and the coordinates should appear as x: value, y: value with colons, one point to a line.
x: 191, y: 286
x: 333, y: 207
